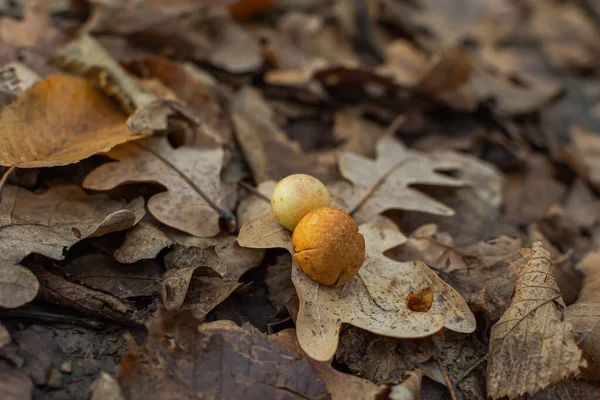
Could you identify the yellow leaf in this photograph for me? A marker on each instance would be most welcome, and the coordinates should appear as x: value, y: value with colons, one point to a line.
x: 60, y: 120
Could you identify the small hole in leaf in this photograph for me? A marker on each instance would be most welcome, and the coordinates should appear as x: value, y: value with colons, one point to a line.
x: 420, y: 301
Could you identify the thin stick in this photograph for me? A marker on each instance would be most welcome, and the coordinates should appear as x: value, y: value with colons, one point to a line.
x: 254, y: 191
x: 470, y: 370
x: 5, y: 177
x: 395, y: 124
x: 446, y: 378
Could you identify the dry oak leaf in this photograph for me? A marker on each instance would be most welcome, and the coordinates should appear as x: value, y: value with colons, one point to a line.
x: 384, y: 183
x: 58, y: 218
x: 142, y: 242
x: 374, y: 300
x: 585, y: 315
x: 18, y: 286
x: 532, y: 345
x: 58, y: 121
x: 192, y: 202
x: 216, y: 360
x: 583, y: 155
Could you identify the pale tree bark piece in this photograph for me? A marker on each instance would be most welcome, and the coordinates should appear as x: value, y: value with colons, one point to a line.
x: 58, y: 218
x: 193, y: 200
x: 102, y: 272
x: 57, y: 290
x: 181, y: 265
x: 383, y: 184
x: 144, y: 241
x: 532, y: 345
x: 374, y: 300
x: 106, y: 387
x: 71, y: 121
x: 85, y: 56
x: 267, y: 148
x: 18, y: 286
x: 585, y: 315
x: 211, y: 359
x: 345, y: 386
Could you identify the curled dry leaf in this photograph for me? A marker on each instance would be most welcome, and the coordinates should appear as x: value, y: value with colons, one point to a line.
x: 532, y: 345
x: 585, y: 315
x: 142, y: 242
x: 383, y: 184
x: 58, y: 218
x: 85, y: 56
x: 59, y: 120
x: 192, y: 202
x: 374, y: 300
x: 222, y: 351
x: 18, y: 286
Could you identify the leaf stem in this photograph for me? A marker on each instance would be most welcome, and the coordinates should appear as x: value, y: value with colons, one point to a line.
x: 470, y: 370
x: 446, y: 378
x: 254, y: 191
x: 5, y: 177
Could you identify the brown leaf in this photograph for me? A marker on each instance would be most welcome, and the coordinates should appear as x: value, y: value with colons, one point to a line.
x: 58, y: 218
x: 582, y: 206
x: 18, y: 286
x: 585, y: 316
x: 205, y: 293
x: 101, y: 272
x: 569, y: 389
x: 14, y: 384
x: 383, y: 184
x: 582, y: 155
x: 181, y: 264
x: 59, y: 291
x: 279, y: 281
x: 142, y: 242
x: 85, y: 56
x: 191, y: 176
x: 253, y: 206
x: 71, y: 121
x: 532, y: 346
x: 374, y: 300
x: 268, y: 150
x: 234, y: 363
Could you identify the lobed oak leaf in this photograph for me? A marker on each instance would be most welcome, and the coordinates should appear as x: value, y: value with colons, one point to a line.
x: 192, y: 202
x: 58, y: 121
x: 532, y: 345
x: 383, y: 184
x: 18, y: 286
x: 374, y: 300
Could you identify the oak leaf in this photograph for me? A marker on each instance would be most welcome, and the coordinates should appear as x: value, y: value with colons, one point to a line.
x: 384, y: 183
x: 60, y: 120
x: 233, y: 361
x: 374, y: 300
x: 142, y: 242
x: 532, y: 345
x: 18, y: 286
x: 192, y: 202
x: 58, y: 218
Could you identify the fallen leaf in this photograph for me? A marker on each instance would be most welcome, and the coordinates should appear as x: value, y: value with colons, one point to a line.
x: 253, y: 205
x: 57, y: 290
x: 49, y: 222
x: 582, y: 155
x: 585, y: 316
x: 18, y: 286
x: 374, y: 300
x: 222, y: 351
x: 85, y: 56
x: 181, y: 264
x: 106, y: 387
x: 569, y: 389
x: 581, y: 206
x: 205, y: 293
x: 279, y: 281
x: 14, y: 384
x: 5, y: 338
x: 268, y: 150
x: 534, y: 333
x: 71, y: 121
x: 101, y: 272
x: 384, y: 183
x: 191, y: 176
x: 142, y: 242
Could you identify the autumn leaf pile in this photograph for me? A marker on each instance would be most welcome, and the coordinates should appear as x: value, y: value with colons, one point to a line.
x: 140, y: 142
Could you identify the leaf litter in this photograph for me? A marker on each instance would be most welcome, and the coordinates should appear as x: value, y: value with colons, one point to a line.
x: 467, y: 156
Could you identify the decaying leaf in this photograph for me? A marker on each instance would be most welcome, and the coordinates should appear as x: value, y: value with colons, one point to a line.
x: 234, y: 363
x: 583, y: 154
x: 374, y: 300
x: 532, y: 346
x: 384, y: 183
x: 59, y: 120
x: 58, y: 218
x: 143, y: 241
x: 85, y: 56
x: 18, y: 286
x: 192, y: 201
x: 585, y: 316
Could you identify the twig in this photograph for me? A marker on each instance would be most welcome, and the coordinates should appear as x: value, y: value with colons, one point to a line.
x: 446, y: 378
x: 5, y: 177
x: 395, y: 124
x: 254, y: 191
x: 470, y: 370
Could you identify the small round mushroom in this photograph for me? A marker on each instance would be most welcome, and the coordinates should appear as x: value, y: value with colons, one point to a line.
x: 295, y: 196
x: 328, y: 247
